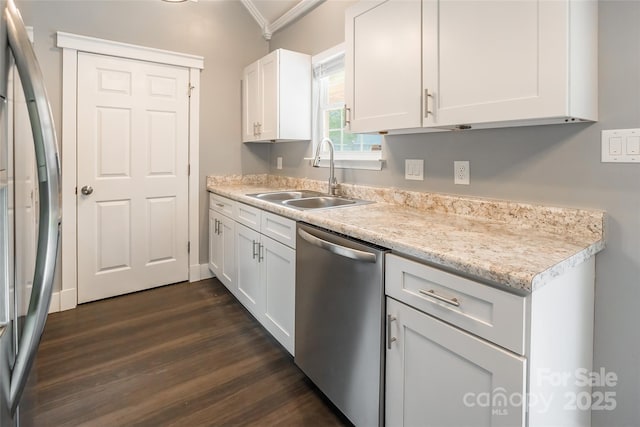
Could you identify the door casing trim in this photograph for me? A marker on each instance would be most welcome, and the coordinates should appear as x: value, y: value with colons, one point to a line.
x: 71, y: 44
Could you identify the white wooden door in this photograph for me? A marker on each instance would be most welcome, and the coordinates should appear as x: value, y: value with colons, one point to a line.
x: 269, y: 91
x: 250, y: 101
x: 248, y: 254
x: 279, y: 277
x: 383, y: 77
x: 133, y: 153
x: 488, y: 61
x: 438, y: 375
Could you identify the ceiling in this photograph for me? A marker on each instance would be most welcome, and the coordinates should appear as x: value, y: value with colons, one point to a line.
x: 274, y: 9
x: 271, y: 15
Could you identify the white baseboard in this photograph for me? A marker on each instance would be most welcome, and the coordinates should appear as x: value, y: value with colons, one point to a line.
x: 194, y: 273
x: 68, y: 299
x: 205, y: 273
x: 54, y: 307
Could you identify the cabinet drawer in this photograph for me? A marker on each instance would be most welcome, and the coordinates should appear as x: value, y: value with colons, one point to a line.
x: 495, y: 315
x: 221, y: 204
x: 248, y: 215
x: 279, y: 228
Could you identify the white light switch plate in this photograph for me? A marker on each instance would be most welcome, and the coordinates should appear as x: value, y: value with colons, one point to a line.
x: 414, y: 169
x: 621, y: 146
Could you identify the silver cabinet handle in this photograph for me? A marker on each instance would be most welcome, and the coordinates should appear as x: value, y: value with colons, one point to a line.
x: 347, y: 116
x: 390, y: 339
x: 427, y: 95
x: 215, y: 226
x: 87, y: 190
x: 48, y: 166
x: 220, y: 205
x: 260, y: 252
x: 337, y: 249
x: 431, y: 293
x: 255, y: 129
x: 255, y: 252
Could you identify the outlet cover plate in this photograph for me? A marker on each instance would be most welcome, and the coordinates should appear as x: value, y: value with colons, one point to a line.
x: 414, y: 169
x: 461, y: 172
x: 621, y: 146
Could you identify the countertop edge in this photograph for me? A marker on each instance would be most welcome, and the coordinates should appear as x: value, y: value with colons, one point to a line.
x: 518, y: 281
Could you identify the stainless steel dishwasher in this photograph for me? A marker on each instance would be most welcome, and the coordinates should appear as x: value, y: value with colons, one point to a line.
x: 339, y: 330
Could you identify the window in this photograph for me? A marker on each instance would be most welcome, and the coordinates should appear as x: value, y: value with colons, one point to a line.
x: 351, y: 150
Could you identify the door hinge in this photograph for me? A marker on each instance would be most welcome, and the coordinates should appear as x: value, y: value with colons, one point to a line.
x: 76, y: 190
x: 188, y: 247
x: 189, y: 169
x: 191, y: 88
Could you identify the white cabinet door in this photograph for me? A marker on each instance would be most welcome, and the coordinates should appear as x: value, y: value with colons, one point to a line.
x: 446, y: 64
x: 268, y: 104
x: 226, y: 227
x: 215, y: 244
x: 250, y: 102
x: 383, y: 65
x: 250, y: 291
x: 438, y: 375
x: 279, y: 276
x: 495, y: 61
x: 277, y: 98
x: 222, y: 249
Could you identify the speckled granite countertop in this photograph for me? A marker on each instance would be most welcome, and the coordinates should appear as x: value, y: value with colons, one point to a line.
x: 517, y: 245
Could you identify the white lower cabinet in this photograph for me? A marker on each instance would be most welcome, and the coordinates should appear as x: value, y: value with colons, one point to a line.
x: 253, y: 255
x: 279, y: 281
x: 266, y: 282
x: 439, y: 375
x: 222, y: 248
x: 463, y: 353
x: 248, y: 269
x: 252, y: 252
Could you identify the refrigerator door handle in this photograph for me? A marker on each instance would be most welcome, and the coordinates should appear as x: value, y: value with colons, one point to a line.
x: 48, y: 167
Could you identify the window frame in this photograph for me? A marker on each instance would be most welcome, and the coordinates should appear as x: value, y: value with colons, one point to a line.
x: 369, y: 160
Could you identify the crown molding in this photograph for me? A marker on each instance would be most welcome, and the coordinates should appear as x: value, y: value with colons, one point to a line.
x: 288, y: 17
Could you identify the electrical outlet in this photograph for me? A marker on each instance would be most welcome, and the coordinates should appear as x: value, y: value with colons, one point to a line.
x: 461, y: 172
x: 278, y: 162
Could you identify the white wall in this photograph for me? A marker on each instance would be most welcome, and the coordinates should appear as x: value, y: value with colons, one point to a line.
x: 221, y: 31
x: 555, y: 165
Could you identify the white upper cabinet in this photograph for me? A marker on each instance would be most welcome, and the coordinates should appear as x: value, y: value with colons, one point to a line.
x: 383, y: 65
x: 276, y: 98
x: 458, y: 64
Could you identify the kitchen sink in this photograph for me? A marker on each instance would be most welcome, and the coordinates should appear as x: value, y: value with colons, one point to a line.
x: 307, y: 199
x: 320, y: 202
x: 278, y: 196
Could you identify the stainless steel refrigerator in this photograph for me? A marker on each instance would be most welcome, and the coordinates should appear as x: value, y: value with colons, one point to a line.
x: 21, y: 325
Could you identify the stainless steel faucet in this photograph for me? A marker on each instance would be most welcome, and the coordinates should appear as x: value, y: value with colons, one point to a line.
x: 333, y: 183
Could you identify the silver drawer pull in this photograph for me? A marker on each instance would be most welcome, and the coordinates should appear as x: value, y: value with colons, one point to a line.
x: 431, y: 293
x: 390, y: 339
x: 220, y: 205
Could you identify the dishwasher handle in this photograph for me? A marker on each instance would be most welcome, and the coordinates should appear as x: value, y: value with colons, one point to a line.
x: 338, y: 249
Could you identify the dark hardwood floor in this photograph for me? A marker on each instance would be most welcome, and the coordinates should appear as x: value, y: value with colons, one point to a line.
x: 183, y: 355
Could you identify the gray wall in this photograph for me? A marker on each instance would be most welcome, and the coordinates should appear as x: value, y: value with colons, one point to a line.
x: 221, y: 31
x: 554, y: 165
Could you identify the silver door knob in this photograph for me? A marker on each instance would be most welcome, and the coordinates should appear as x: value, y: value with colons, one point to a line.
x: 86, y: 190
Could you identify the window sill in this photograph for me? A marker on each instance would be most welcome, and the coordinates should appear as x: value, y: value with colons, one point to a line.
x: 364, y: 164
